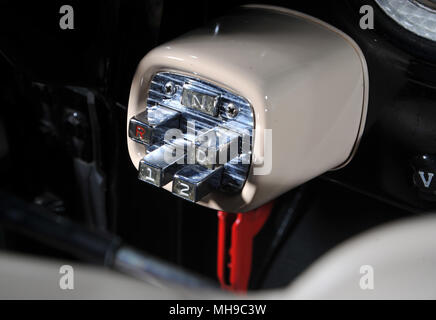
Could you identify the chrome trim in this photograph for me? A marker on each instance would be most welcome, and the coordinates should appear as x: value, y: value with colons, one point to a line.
x: 417, y: 17
x: 239, y: 123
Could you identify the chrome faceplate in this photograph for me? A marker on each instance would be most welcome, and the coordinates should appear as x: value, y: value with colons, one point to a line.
x: 209, y: 125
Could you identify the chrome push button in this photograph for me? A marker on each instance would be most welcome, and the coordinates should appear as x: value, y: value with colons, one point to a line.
x: 195, y: 181
x: 202, y: 100
x: 217, y: 147
x: 139, y: 131
x: 159, y: 166
x: 149, y: 126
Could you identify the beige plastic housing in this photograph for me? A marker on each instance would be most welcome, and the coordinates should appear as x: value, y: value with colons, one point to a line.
x: 305, y: 80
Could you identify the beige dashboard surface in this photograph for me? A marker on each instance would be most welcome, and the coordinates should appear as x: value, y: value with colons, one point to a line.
x: 402, y: 256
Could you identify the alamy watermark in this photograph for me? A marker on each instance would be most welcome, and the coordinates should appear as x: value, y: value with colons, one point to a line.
x: 367, y: 19
x: 66, y: 281
x: 67, y: 19
x: 366, y: 281
x: 214, y: 147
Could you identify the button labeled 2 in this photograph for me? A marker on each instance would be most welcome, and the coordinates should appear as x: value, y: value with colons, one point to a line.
x: 195, y: 181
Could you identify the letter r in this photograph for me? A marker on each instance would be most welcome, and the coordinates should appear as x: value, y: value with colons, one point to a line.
x: 140, y: 131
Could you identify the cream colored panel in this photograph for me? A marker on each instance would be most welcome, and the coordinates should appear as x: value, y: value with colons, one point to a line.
x: 305, y: 80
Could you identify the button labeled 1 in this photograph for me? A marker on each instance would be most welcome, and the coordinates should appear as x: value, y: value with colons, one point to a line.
x: 159, y: 166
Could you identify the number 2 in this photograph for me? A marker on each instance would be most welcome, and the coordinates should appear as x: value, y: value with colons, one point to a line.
x: 185, y: 189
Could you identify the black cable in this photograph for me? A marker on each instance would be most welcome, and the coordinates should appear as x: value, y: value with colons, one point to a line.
x: 90, y: 245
